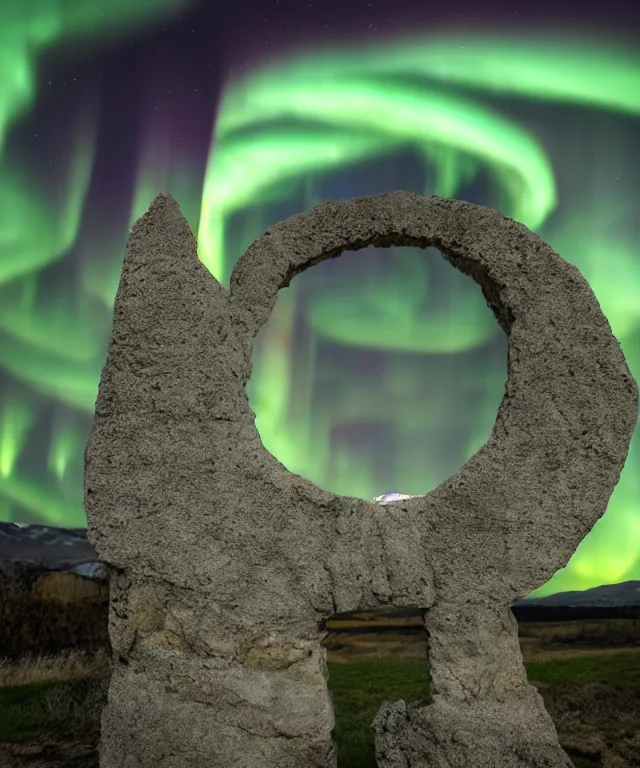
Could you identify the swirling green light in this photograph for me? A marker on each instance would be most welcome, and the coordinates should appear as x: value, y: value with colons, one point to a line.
x: 422, y: 118
x: 53, y: 346
x: 387, y: 99
x: 27, y: 29
x: 279, y: 133
x: 545, y: 66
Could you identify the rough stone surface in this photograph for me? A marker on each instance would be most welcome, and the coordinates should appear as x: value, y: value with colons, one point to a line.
x: 225, y: 565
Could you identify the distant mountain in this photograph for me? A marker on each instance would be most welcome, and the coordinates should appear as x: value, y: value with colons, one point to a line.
x: 45, y: 548
x: 67, y: 549
x: 626, y: 594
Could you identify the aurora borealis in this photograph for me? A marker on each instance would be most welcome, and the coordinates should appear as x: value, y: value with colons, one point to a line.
x: 378, y: 371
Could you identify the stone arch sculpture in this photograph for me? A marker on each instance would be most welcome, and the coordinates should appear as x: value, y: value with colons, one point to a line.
x: 225, y: 565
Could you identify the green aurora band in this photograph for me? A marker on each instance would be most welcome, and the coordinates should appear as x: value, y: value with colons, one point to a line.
x: 279, y: 132
x: 53, y: 347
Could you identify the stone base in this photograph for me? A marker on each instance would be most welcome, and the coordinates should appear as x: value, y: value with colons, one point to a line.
x: 181, y: 713
x: 516, y: 733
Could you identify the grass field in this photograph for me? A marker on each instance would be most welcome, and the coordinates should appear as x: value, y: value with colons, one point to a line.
x: 51, y: 707
x: 50, y: 700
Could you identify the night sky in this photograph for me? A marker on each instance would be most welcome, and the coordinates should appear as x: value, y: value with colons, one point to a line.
x: 378, y: 371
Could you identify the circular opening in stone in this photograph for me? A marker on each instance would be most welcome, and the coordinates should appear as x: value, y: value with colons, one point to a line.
x: 378, y: 371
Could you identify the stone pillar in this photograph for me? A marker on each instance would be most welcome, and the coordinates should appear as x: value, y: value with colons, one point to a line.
x: 225, y: 565
x: 481, y: 711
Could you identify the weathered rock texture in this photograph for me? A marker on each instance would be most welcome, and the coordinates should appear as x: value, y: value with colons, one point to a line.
x: 225, y: 564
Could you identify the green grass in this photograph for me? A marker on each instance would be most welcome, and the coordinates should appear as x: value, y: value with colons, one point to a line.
x: 25, y: 712
x: 358, y: 688
x: 621, y: 670
x: 61, y: 707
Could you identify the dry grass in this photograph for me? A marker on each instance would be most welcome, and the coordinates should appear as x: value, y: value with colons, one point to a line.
x: 50, y: 614
x: 67, y: 589
x: 68, y: 666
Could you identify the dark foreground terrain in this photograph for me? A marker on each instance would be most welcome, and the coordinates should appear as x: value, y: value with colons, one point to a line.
x: 582, y: 650
x: 587, y: 670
